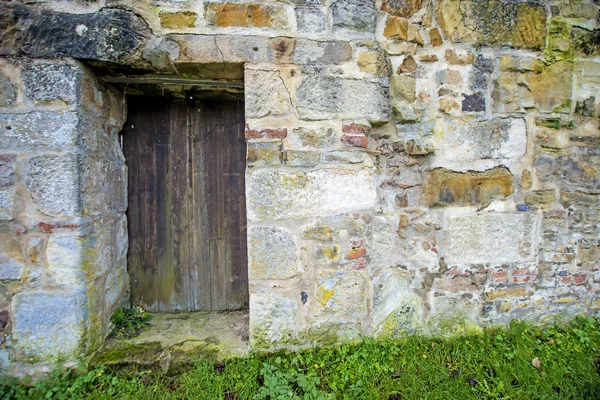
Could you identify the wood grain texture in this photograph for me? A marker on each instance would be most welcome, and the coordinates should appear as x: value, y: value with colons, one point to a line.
x: 187, y: 216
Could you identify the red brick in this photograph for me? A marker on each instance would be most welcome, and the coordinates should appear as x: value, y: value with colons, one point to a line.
x: 499, y: 277
x: 355, y: 140
x: 525, y: 275
x: 361, y: 264
x: 53, y: 226
x: 356, y: 129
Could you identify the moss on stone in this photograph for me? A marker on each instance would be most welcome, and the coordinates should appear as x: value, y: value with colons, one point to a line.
x: 559, y: 41
x: 125, y: 353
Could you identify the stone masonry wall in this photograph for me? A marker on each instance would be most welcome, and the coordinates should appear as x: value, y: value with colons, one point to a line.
x: 413, y: 165
x: 63, y: 231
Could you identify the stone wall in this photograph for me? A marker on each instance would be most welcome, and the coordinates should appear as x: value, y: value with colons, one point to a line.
x: 413, y: 165
x: 63, y: 194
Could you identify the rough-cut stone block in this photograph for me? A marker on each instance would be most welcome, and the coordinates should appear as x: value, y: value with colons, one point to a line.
x: 408, y: 66
x: 48, y: 82
x: 48, y: 326
x: 540, y: 197
x: 373, y: 62
x: 266, y: 94
x: 262, y: 154
x: 65, y: 259
x: 454, y: 316
x: 355, y: 15
x: 8, y: 92
x: 549, y: 89
x: 491, y: 238
x: 318, y: 232
x: 343, y: 157
x: 552, y: 88
x: 245, y: 14
x: 586, y: 42
x: 403, y: 87
x: 473, y: 139
x: 521, y: 25
x: 397, y: 310
x: 117, y: 289
x: 178, y: 20
x: 224, y: 48
x: 38, y: 130
x: 321, y: 98
x: 53, y: 182
x: 401, y: 8
x: 273, y: 253
x: 321, y: 53
x: 436, y: 37
x: 272, y: 319
x: 401, y: 29
x: 12, y: 262
x: 279, y: 194
x: 301, y: 158
x: 341, y: 293
x: 326, y: 254
x: 315, y: 137
x: 103, y: 186
x: 445, y: 187
x: 462, y: 59
x: 107, y: 35
x: 310, y: 20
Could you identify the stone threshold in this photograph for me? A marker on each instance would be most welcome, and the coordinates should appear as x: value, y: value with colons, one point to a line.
x: 174, y: 340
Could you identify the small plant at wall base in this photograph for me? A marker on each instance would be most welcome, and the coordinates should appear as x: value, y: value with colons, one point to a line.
x: 129, y: 321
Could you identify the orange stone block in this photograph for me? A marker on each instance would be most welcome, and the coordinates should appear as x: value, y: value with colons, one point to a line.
x: 245, y: 14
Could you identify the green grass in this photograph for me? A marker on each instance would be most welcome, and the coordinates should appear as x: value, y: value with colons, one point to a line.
x: 496, y: 364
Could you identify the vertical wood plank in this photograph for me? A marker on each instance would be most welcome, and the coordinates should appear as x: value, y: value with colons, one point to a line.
x: 201, y: 206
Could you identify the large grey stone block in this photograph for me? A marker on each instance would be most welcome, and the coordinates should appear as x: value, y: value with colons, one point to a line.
x: 65, y: 259
x: 313, y: 52
x: 281, y: 194
x: 273, y: 253
x: 266, y: 94
x: 397, y: 310
x: 48, y: 326
x: 310, y: 20
x: 104, y: 186
x: 320, y: 98
x: 356, y: 15
x: 272, y: 319
x: 48, y: 82
x: 494, y: 238
x: 38, y: 130
x: 53, y: 182
x: 461, y: 140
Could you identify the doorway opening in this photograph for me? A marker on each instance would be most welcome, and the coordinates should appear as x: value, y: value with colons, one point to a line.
x: 186, y: 162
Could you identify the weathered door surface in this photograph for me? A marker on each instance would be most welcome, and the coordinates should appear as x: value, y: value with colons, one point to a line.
x: 187, y: 211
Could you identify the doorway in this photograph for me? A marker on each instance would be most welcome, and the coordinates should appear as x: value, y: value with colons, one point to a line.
x: 187, y: 207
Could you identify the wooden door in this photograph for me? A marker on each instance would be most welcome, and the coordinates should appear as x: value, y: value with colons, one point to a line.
x: 187, y: 210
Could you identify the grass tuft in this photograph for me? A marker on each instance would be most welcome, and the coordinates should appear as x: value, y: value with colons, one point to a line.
x: 521, y: 362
